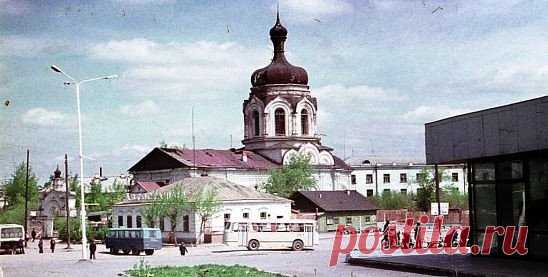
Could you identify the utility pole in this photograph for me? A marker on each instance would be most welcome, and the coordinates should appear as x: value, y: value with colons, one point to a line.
x: 67, y: 208
x: 193, y: 143
x: 437, y: 180
x: 27, y: 197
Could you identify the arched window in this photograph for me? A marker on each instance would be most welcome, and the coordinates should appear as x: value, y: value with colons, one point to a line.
x: 279, y: 122
x: 256, y: 123
x: 304, y: 122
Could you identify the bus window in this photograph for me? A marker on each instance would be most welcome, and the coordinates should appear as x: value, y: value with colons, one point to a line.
x: 138, y: 234
x: 282, y: 227
x: 152, y: 234
x: 234, y: 227
x: 227, y: 225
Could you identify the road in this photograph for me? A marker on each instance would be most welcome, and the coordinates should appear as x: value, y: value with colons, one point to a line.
x: 66, y: 262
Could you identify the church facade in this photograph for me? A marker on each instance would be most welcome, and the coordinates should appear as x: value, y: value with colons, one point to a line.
x: 280, y: 122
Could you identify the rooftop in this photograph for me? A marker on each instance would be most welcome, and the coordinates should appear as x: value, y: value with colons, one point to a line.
x: 337, y: 201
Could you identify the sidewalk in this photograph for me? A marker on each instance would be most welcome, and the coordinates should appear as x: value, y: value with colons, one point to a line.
x: 455, y: 265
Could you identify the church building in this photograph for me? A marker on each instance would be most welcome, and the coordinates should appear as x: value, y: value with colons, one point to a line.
x: 280, y: 122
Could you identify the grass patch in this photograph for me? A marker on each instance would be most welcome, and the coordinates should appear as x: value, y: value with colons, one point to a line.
x: 210, y: 270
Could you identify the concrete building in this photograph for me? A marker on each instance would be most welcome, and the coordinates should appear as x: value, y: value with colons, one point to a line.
x: 280, y: 122
x: 237, y: 202
x: 506, y: 152
x: 331, y: 208
x: 370, y: 176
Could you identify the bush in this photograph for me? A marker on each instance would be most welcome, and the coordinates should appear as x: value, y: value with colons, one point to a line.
x: 13, y: 215
x: 60, y: 226
x: 142, y: 269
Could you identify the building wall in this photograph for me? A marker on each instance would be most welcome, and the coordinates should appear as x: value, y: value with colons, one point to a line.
x: 395, y: 184
x: 329, y: 221
x: 216, y: 223
x: 326, y: 179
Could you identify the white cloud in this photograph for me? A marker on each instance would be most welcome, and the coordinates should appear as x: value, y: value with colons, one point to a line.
x: 22, y: 46
x: 145, y: 108
x: 425, y: 114
x: 355, y: 95
x: 182, y: 68
x: 44, y: 117
x: 308, y: 10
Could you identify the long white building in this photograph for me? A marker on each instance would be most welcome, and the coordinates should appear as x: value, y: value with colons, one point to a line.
x: 370, y: 177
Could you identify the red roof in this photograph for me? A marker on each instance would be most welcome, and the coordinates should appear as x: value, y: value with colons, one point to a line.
x: 148, y: 186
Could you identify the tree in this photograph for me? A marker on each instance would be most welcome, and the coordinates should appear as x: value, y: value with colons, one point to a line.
x: 205, y: 205
x: 295, y: 176
x: 15, y: 188
x: 455, y: 199
x: 390, y: 200
x: 171, y: 204
x: 427, y: 188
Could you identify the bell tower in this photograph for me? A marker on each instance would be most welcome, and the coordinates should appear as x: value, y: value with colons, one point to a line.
x: 280, y: 112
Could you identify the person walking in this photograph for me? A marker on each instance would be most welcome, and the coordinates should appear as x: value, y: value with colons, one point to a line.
x: 33, y: 234
x: 92, y: 249
x: 182, y: 248
x: 52, y: 245
x: 41, y: 246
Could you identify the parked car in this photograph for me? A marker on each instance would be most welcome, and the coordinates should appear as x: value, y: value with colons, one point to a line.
x: 133, y: 240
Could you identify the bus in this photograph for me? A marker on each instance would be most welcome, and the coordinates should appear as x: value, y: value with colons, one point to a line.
x: 12, y: 238
x: 134, y: 240
x: 296, y: 234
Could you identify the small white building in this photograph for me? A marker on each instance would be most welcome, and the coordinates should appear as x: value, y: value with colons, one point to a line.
x: 371, y: 176
x: 53, y: 203
x: 237, y: 202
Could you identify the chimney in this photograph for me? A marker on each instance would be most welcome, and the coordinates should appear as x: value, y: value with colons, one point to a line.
x: 244, y: 157
x: 100, y: 171
x: 320, y: 196
x: 348, y: 192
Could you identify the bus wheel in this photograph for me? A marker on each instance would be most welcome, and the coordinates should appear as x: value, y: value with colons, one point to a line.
x: 149, y: 252
x: 297, y: 245
x: 135, y: 252
x: 253, y: 245
x: 113, y: 251
x: 126, y: 251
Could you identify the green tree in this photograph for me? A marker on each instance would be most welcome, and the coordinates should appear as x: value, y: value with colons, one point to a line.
x: 171, y: 204
x: 15, y: 188
x: 455, y: 199
x: 295, y: 176
x: 205, y: 205
x: 427, y: 188
x: 390, y: 200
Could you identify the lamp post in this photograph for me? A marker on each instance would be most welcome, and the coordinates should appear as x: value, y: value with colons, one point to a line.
x: 82, y: 200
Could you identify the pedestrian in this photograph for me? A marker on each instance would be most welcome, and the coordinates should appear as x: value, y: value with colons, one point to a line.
x: 40, y: 246
x: 33, y: 234
x: 418, y: 241
x: 92, y: 249
x: 182, y: 248
x: 52, y: 245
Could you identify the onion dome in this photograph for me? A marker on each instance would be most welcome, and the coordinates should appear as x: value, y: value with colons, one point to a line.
x: 279, y: 71
x: 57, y: 173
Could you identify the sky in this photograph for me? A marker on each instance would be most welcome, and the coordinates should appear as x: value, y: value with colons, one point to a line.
x: 380, y: 71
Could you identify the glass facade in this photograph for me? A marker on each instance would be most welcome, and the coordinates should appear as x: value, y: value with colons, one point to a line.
x: 511, y: 191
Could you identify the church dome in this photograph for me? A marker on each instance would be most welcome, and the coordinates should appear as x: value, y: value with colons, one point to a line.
x: 279, y: 71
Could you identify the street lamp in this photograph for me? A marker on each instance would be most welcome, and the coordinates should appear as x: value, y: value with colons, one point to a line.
x: 82, y: 200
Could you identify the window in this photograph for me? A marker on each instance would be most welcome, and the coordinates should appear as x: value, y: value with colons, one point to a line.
x: 256, y: 123
x: 279, y: 122
x: 369, y: 179
x: 419, y: 176
x: 386, y: 190
x: 280, y: 217
x: 353, y: 179
x: 120, y: 221
x: 129, y: 220
x: 138, y: 223
x: 403, y: 177
x: 304, y: 122
x: 403, y: 191
x: 186, y: 223
x: 329, y: 220
x: 245, y: 215
x: 162, y: 224
x: 454, y: 177
x: 349, y: 220
x: 262, y: 215
x: 227, y: 217
x: 386, y: 178
x: 335, y: 220
x: 369, y: 192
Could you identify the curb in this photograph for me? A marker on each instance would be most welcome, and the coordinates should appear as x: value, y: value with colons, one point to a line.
x: 1, y: 272
x: 412, y: 268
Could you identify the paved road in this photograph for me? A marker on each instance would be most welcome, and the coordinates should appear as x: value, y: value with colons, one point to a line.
x: 65, y: 263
